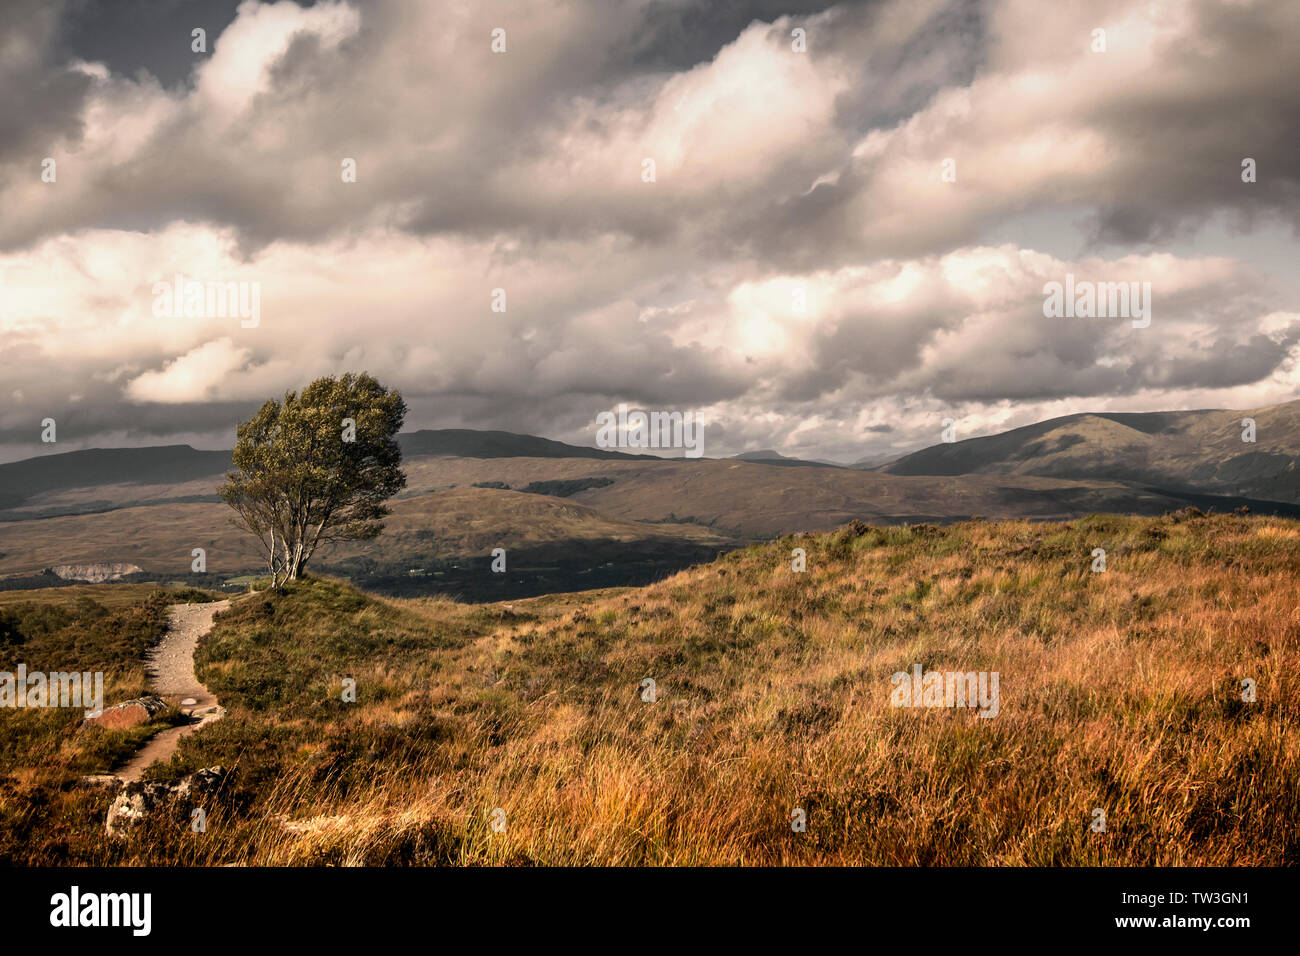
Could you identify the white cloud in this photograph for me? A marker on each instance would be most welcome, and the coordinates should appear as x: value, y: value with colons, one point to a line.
x: 522, y: 171
x: 242, y: 56
x: 196, y: 376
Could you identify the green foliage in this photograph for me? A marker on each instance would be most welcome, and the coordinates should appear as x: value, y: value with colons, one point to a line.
x: 317, y: 467
x: 564, y: 487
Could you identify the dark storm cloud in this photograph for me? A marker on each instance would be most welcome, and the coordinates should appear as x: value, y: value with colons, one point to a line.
x: 465, y: 146
x: 1229, y: 97
x: 675, y: 35
x: 468, y: 144
x: 522, y: 170
x: 38, y: 104
x: 150, y: 35
x: 1222, y: 363
x: 1029, y: 358
x: 100, y: 412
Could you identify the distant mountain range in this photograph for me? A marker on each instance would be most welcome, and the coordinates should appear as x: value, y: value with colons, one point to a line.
x: 469, y: 443
x: 769, y: 457
x: 1196, y: 451
x: 163, y: 465
x: 579, y: 516
x: 159, y: 465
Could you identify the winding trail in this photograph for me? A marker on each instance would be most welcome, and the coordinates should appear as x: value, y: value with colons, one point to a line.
x: 170, y: 667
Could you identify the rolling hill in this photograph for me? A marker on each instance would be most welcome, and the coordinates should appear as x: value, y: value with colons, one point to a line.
x: 1200, y: 451
x: 581, y: 517
x: 758, y: 500
x: 768, y: 456
x: 62, y: 472
x: 773, y: 692
x: 437, y: 542
x: 98, y: 479
x: 670, y: 513
x: 470, y: 443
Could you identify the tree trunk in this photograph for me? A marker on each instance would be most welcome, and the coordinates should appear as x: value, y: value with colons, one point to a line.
x: 295, y: 562
x: 288, y: 562
x: 270, y: 561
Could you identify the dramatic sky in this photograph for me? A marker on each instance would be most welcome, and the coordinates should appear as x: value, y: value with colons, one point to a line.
x: 783, y: 177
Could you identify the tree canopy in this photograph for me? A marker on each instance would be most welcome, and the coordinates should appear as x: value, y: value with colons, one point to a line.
x: 317, y: 467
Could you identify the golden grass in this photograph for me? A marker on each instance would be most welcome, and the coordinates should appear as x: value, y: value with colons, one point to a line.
x: 1119, y: 691
x: 112, y: 596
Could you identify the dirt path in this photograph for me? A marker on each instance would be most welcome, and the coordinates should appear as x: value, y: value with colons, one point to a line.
x: 170, y: 666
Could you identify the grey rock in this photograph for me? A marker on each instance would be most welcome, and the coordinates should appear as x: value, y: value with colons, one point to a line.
x: 138, y: 800
x: 100, y: 781
x: 94, y: 573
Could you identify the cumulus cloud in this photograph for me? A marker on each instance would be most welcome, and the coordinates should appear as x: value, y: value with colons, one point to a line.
x: 799, y: 269
x: 194, y: 377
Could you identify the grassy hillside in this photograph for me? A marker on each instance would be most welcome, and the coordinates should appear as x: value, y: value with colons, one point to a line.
x: 1119, y: 690
x: 445, y: 525
x: 759, y: 501
x: 42, y: 750
x: 1198, y: 450
x: 616, y: 519
x: 730, y: 497
x: 677, y: 512
x: 111, y: 596
x: 442, y: 544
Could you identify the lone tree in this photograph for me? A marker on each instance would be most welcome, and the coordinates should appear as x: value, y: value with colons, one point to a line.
x: 317, y: 467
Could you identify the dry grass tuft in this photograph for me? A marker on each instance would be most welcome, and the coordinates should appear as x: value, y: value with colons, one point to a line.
x: 1119, y: 691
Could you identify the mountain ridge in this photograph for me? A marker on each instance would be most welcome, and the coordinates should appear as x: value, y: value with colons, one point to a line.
x: 1200, y: 451
x: 589, y: 510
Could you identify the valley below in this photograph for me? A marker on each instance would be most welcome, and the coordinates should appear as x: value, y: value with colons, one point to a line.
x: 572, y: 518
